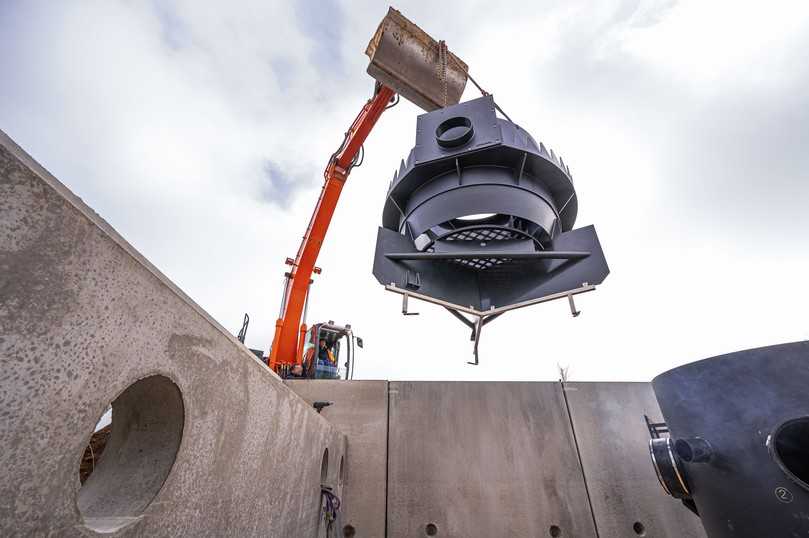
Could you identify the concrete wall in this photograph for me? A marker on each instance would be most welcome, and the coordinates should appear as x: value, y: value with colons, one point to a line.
x: 613, y: 439
x: 360, y: 410
x: 502, y: 459
x: 225, y: 448
x: 483, y: 459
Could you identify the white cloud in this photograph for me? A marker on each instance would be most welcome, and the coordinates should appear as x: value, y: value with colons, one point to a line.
x: 723, y: 46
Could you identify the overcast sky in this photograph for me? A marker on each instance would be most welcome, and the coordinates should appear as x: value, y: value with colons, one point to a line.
x: 199, y: 130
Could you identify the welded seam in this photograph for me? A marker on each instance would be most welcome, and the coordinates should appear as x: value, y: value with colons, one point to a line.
x: 578, y: 456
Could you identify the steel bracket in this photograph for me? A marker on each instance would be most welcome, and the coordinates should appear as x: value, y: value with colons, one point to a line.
x: 482, y: 317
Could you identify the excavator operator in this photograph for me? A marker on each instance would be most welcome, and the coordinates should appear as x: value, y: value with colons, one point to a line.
x: 326, y: 367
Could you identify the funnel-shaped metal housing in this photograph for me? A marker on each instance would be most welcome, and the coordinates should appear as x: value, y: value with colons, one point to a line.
x: 481, y: 215
x: 751, y: 409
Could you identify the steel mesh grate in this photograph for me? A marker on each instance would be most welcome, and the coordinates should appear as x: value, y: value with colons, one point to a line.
x: 481, y: 235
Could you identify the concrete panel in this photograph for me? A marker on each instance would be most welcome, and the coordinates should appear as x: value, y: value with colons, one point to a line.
x: 83, y: 317
x: 613, y: 443
x: 483, y: 460
x: 360, y: 410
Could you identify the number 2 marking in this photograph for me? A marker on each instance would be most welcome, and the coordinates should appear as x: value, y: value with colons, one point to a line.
x: 783, y: 495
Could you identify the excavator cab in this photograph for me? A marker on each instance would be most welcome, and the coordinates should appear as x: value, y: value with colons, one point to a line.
x: 324, y: 362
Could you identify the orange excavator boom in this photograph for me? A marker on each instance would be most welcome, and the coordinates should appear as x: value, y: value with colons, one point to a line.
x: 289, y: 336
x: 404, y: 60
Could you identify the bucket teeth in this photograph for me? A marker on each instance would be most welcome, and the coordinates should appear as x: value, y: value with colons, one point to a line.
x: 543, y: 149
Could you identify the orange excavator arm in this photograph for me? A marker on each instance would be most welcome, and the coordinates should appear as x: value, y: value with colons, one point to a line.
x: 404, y: 60
x: 287, y: 347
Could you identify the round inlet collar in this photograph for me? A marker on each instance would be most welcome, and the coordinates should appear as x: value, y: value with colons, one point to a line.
x: 454, y: 132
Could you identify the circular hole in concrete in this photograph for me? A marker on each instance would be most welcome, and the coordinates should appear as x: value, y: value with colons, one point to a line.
x: 324, y: 467
x: 639, y: 529
x: 555, y: 531
x: 341, y: 475
x: 349, y: 531
x: 431, y: 529
x: 96, y: 446
x: 137, y: 457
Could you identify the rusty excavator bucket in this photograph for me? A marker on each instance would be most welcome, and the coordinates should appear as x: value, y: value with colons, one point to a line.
x: 413, y: 64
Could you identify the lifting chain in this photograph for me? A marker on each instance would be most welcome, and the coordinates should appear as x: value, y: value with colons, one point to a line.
x: 442, y: 64
x: 443, y: 54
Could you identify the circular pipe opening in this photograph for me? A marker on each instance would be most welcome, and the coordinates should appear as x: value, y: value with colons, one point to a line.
x: 667, y: 466
x: 555, y: 531
x: 431, y: 529
x: 639, y: 529
x: 454, y: 132
x: 145, y: 435
x: 684, y: 450
x: 694, y: 450
x: 789, y: 447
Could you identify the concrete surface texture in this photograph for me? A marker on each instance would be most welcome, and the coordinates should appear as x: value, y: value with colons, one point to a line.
x: 613, y: 438
x: 483, y: 459
x: 360, y: 410
x: 206, y: 441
